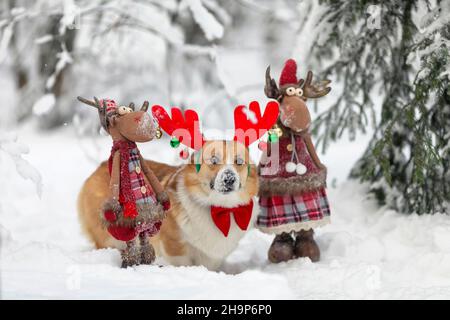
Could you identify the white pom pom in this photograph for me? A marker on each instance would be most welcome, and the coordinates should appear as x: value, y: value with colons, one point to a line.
x: 290, y: 167
x: 300, y: 169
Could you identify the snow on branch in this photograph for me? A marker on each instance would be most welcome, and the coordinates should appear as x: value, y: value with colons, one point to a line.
x: 16, y: 150
x: 212, y: 28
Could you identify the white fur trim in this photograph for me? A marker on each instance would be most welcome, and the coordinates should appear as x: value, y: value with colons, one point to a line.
x: 296, y: 226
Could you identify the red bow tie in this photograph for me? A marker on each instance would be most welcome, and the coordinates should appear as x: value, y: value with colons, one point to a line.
x: 242, y: 216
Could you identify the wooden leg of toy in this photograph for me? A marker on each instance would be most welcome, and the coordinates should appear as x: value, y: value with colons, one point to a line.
x: 306, y: 246
x: 147, y: 250
x: 130, y: 256
x: 282, y: 248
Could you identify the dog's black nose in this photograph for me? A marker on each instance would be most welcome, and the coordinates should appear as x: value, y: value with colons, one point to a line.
x: 229, y: 178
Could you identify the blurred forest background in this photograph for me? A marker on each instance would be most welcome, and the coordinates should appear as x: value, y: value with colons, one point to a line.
x: 389, y: 62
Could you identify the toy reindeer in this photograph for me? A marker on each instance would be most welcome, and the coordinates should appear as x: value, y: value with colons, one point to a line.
x: 292, y: 193
x: 137, y: 202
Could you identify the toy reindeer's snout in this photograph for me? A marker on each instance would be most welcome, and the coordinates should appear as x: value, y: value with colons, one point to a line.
x: 136, y: 126
x: 294, y: 113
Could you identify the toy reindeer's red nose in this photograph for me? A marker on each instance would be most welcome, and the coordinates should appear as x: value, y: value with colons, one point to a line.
x: 137, y: 118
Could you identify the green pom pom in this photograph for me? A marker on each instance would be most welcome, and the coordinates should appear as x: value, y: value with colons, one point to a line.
x: 273, y: 138
x: 174, y: 143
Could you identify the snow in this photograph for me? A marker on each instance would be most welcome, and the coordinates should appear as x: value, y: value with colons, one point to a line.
x: 367, y: 252
x: 207, y: 22
x: 44, y: 105
x: 15, y: 150
x: 250, y: 115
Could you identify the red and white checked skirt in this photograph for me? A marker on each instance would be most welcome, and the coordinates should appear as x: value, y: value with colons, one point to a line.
x: 286, y: 213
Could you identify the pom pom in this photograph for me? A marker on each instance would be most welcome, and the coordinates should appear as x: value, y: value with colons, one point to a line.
x: 290, y: 167
x: 300, y: 169
x: 289, y: 73
x: 110, y: 216
x: 166, y: 205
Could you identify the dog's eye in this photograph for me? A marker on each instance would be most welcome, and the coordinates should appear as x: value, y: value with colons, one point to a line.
x: 213, y: 160
x: 239, y: 161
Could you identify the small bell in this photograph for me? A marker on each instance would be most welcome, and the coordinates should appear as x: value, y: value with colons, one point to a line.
x: 277, y: 130
x: 174, y: 142
x: 159, y: 133
x: 300, y: 169
x: 290, y: 167
x: 184, y: 154
x: 275, y: 133
x: 262, y: 145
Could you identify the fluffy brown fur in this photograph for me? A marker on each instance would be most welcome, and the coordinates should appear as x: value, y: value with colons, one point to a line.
x: 292, y: 185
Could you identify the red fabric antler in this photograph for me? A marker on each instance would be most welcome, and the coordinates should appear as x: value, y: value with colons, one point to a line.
x: 250, y: 125
x: 186, y: 129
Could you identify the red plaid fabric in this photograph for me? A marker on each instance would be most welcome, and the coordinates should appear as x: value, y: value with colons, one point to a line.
x: 287, y: 209
x: 137, y: 180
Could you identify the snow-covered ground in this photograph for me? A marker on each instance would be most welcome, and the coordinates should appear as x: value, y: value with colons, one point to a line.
x: 367, y: 252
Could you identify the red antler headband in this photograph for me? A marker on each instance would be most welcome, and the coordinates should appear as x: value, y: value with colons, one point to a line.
x: 249, y: 124
x: 186, y: 129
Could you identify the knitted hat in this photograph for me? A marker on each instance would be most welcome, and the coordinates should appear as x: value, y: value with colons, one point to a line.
x: 289, y: 73
x: 111, y: 106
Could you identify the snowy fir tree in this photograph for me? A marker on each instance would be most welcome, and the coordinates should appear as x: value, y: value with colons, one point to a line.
x: 392, y: 58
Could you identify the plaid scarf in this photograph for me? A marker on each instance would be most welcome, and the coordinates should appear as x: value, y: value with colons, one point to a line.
x: 126, y: 197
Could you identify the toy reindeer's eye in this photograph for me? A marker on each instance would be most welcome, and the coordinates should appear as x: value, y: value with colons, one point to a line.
x: 123, y: 110
x: 298, y: 92
x: 290, y: 91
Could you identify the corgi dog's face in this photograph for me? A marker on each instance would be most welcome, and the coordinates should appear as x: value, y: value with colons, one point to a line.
x: 221, y: 174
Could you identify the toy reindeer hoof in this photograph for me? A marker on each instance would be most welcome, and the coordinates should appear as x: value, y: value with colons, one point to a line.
x: 282, y: 248
x: 147, y: 251
x: 130, y: 256
x: 306, y: 246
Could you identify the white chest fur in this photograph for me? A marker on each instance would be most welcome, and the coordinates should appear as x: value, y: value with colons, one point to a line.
x: 200, y: 231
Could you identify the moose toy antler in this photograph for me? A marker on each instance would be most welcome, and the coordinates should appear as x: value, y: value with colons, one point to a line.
x: 250, y: 125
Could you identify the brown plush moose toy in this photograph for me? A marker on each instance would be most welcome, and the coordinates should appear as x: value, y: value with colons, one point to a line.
x: 137, y: 202
x: 292, y: 193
